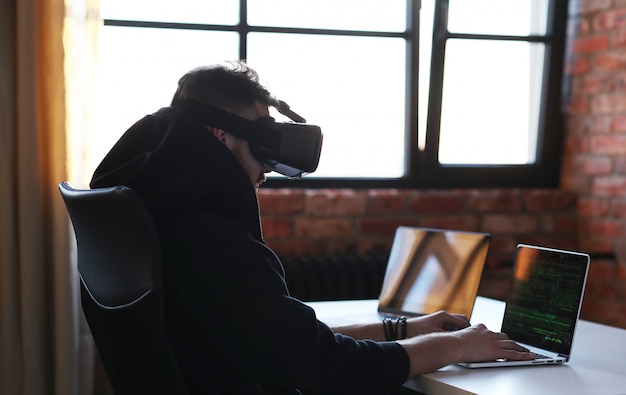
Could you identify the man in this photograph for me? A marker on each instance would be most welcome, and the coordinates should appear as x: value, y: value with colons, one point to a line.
x: 230, y: 319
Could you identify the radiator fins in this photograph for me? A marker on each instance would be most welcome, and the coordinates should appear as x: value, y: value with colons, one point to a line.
x: 337, y: 277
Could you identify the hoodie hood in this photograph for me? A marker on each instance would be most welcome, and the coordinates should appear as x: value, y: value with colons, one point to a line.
x: 170, y: 159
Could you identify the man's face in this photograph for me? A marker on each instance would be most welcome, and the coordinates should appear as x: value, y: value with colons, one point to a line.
x: 241, y: 148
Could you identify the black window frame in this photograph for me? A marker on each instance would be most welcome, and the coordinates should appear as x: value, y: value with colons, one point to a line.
x: 422, y: 167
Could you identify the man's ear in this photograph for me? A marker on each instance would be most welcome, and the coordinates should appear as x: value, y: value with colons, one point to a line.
x: 220, y: 134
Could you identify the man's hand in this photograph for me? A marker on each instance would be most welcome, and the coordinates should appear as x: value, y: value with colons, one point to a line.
x: 481, y: 344
x: 430, y: 352
x: 436, y: 322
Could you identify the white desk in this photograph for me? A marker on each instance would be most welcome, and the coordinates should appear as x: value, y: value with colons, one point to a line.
x: 597, y: 365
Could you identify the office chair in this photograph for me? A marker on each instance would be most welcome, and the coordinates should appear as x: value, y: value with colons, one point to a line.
x: 119, y: 263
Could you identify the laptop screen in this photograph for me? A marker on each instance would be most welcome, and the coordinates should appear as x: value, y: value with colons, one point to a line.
x: 544, y: 298
x: 431, y: 270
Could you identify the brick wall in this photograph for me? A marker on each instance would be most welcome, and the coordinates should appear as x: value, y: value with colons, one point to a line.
x: 594, y: 165
x: 323, y: 221
x: 331, y: 222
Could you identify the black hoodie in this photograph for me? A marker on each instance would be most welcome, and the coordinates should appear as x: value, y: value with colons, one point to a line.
x: 233, y: 326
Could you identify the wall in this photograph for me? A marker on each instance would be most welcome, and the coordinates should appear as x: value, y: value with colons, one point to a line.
x: 587, y: 212
x: 327, y: 222
x: 594, y: 165
x: 334, y: 222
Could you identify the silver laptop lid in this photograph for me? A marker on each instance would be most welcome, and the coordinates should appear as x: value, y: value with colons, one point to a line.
x: 545, y: 297
x: 433, y: 269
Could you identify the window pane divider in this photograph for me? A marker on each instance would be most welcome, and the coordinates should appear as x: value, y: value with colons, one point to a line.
x: 253, y: 28
x: 468, y: 36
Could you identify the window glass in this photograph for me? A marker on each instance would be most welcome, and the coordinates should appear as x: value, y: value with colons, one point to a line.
x: 224, y: 12
x: 138, y: 72
x: 366, y: 15
x: 490, y: 105
x: 353, y: 87
x: 509, y: 17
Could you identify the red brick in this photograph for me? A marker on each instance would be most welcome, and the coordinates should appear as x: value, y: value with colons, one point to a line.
x: 326, y: 202
x: 593, y: 83
x: 502, y: 246
x: 608, y: 103
x: 592, y: 165
x: 577, y: 65
x: 593, y: 207
x: 576, y: 145
x: 437, y: 202
x: 598, y: 290
x: 578, y: 26
x: 608, y: 313
x: 618, y: 39
x: 387, y: 201
x: 618, y: 208
x: 590, y: 243
x: 383, y: 226
x: 583, y: 125
x: 459, y: 222
x: 549, y: 200
x: 586, y: 7
x: 605, y: 227
x: 621, y: 231
x: 620, y: 291
x: 495, y: 201
x: 609, y: 186
x: 609, y: 61
x: 620, y: 273
x: 577, y: 105
x: 554, y: 224
x: 596, y: 310
x: 277, y: 228
x: 618, y: 123
x: 324, y: 227
x: 609, y: 144
x: 590, y: 43
x: 610, y: 20
x: 361, y: 246
x: 620, y: 165
x: 514, y: 224
x: 603, y: 290
x: 601, y: 269
x: 540, y: 239
x: 567, y: 243
x: 577, y: 183
x: 281, y: 201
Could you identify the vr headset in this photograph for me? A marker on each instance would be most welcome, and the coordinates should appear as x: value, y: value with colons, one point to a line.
x: 289, y: 148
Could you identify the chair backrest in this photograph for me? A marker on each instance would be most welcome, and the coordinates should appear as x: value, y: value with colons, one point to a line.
x: 119, y: 262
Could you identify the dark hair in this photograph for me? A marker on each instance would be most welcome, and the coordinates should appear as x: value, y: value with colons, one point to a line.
x: 232, y: 86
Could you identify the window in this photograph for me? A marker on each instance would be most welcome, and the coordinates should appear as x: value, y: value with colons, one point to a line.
x: 406, y: 96
x: 492, y: 112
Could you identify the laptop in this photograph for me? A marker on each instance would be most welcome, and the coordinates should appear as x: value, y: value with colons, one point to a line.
x: 543, y: 304
x: 432, y: 269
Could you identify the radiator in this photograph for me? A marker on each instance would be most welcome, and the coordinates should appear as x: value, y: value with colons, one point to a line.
x: 338, y: 277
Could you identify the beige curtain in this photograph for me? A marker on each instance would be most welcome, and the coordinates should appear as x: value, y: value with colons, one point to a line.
x: 39, y: 319
x: 82, y: 24
x: 80, y: 39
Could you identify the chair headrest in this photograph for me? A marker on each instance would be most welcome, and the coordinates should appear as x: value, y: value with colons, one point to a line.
x: 118, y: 247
